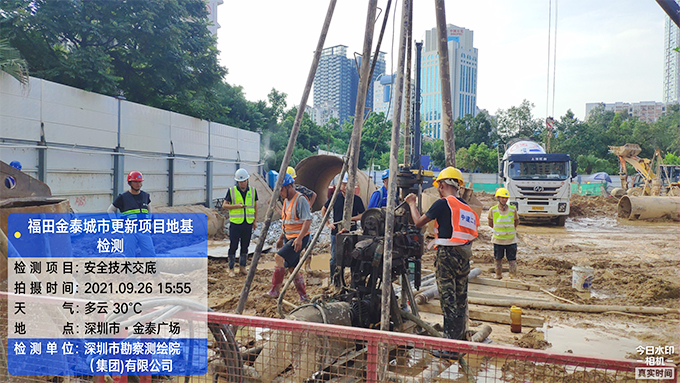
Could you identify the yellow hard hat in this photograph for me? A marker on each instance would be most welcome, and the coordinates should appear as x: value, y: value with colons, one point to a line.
x: 502, y: 192
x: 291, y: 171
x: 449, y: 173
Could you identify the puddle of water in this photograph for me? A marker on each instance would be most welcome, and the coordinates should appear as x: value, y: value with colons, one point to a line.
x: 589, y: 341
x: 320, y: 262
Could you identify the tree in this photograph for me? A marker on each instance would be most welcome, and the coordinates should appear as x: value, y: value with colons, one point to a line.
x: 155, y: 52
x: 517, y: 122
x: 477, y: 158
x: 375, y: 139
x: 12, y: 63
x: 474, y: 130
x: 435, y: 148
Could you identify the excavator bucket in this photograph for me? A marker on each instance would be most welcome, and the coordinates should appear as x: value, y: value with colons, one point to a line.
x: 627, y: 150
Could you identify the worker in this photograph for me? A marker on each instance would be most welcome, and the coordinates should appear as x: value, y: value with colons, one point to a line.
x: 241, y: 201
x: 338, y: 208
x: 455, y: 228
x: 296, y: 219
x: 134, y: 204
x: 311, y: 197
x: 310, y: 194
x: 15, y: 164
x: 379, y: 197
x: 503, y: 220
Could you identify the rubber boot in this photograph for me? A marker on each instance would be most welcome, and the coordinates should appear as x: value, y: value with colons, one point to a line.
x: 299, y: 282
x: 513, y: 268
x: 499, y: 269
x: 277, y: 281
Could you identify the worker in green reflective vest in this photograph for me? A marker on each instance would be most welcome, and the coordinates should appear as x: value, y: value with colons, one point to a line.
x: 134, y: 204
x: 503, y: 220
x: 241, y: 201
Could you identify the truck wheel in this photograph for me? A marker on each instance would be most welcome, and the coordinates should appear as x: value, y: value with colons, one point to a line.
x: 559, y: 221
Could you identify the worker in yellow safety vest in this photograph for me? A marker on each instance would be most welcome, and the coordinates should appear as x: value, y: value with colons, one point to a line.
x: 296, y: 218
x: 241, y: 201
x: 503, y: 220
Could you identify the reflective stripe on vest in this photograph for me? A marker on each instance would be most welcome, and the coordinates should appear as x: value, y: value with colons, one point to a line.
x: 463, y: 222
x: 236, y: 215
x: 292, y: 225
x: 140, y: 212
x: 503, y: 223
x: 135, y: 214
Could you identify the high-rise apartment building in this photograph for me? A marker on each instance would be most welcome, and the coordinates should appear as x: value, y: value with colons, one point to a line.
x: 383, y: 96
x: 671, y: 70
x: 463, y: 72
x: 648, y: 111
x: 336, y: 83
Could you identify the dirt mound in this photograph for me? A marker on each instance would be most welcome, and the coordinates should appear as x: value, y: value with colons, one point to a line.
x: 533, y: 339
x: 592, y: 206
x: 487, y: 199
x: 550, y: 263
x: 639, y: 287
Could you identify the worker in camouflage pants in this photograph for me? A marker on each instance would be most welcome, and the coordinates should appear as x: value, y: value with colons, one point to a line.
x: 455, y: 228
x: 452, y: 266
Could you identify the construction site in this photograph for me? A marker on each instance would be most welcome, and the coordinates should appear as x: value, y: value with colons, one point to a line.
x: 593, y: 296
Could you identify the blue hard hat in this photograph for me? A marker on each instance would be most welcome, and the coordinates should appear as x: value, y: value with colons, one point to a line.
x: 386, y: 174
x: 15, y: 164
x: 287, y: 179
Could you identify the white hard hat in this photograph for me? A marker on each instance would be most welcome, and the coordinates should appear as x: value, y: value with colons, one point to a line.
x: 345, y: 178
x: 241, y: 175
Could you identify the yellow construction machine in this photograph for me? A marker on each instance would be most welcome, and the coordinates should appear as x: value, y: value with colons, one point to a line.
x: 655, y: 188
x: 653, y: 178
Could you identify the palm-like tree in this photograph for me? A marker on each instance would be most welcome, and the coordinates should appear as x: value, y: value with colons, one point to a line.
x: 12, y: 63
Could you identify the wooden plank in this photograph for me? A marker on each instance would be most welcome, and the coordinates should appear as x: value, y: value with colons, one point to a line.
x: 534, y: 272
x: 507, y: 284
x: 527, y: 320
x: 479, y: 294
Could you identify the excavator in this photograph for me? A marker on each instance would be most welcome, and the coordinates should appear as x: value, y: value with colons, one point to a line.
x: 653, y: 178
x: 655, y: 189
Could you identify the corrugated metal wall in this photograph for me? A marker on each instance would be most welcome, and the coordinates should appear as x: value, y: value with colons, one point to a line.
x: 70, y: 139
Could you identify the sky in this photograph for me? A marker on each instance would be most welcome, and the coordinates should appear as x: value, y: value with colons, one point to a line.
x: 607, y: 50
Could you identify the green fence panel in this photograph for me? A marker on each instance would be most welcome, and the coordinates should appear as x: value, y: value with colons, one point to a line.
x: 487, y: 188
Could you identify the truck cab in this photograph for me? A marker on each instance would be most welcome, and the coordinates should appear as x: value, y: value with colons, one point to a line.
x: 539, y: 183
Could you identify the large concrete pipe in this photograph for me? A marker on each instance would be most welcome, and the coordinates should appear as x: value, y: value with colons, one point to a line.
x: 649, y: 207
x: 317, y: 172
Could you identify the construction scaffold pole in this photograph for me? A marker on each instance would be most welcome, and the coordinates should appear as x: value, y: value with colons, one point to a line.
x: 448, y: 135
x: 286, y: 157
x: 355, y: 141
x: 386, y: 303
x: 407, y: 87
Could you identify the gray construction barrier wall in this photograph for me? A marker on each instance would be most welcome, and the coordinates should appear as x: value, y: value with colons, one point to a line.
x: 83, y: 144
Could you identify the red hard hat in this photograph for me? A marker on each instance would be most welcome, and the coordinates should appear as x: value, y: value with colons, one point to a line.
x: 135, y: 176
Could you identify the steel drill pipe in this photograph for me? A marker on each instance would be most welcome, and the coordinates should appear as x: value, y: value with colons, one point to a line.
x: 445, y: 76
x: 392, y: 184
x: 286, y: 157
x: 355, y: 141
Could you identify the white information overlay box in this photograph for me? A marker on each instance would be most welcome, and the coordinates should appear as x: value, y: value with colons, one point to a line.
x: 107, y: 294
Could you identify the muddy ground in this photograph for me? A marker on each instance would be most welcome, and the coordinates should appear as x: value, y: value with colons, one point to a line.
x: 636, y: 263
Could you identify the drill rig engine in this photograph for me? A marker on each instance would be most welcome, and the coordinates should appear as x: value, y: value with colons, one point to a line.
x: 362, y: 252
